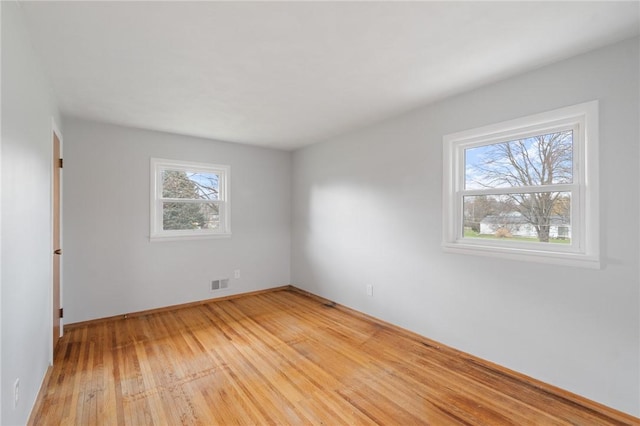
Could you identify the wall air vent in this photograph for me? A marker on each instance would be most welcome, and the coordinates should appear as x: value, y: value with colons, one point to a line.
x: 220, y: 284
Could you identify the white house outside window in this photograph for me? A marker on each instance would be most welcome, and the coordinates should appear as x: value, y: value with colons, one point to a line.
x: 525, y: 189
x: 189, y: 200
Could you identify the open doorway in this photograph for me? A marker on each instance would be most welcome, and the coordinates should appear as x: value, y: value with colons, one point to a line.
x: 57, y: 248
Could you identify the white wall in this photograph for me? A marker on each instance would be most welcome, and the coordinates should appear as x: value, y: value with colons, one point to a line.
x: 367, y: 210
x: 111, y: 268
x: 27, y: 111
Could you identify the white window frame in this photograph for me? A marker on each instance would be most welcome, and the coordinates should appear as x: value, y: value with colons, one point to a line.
x: 157, y: 233
x: 584, y: 248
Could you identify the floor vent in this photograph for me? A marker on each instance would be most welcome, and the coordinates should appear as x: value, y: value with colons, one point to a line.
x: 219, y: 284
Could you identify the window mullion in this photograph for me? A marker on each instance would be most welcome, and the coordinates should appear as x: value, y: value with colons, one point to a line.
x: 520, y: 190
x: 189, y: 200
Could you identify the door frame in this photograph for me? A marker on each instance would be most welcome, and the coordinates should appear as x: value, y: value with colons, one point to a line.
x: 55, y: 130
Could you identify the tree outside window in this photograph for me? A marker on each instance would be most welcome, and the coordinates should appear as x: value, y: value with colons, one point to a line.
x: 188, y: 200
x: 525, y: 189
x: 536, y: 161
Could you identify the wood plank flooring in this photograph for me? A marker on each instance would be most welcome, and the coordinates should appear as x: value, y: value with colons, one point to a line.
x: 285, y: 357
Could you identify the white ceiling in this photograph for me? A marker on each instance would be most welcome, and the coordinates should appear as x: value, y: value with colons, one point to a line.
x: 288, y: 74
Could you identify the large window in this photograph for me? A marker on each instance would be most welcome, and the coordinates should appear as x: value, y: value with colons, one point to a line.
x: 525, y: 189
x: 189, y: 200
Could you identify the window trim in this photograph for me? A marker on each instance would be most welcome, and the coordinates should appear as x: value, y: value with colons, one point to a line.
x: 156, y: 233
x: 584, y: 250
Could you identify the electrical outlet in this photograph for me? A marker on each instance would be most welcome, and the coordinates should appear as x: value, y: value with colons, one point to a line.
x: 16, y: 393
x: 236, y: 274
x: 369, y: 290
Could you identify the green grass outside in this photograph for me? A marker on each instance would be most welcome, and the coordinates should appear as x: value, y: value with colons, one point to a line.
x: 470, y: 233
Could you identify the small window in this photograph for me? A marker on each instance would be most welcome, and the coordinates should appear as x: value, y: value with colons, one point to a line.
x: 189, y: 200
x: 525, y: 189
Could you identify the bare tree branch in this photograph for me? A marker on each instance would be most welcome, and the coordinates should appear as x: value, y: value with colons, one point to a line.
x: 535, y: 161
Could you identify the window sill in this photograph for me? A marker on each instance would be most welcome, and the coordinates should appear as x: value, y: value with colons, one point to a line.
x: 184, y: 237
x: 527, y: 255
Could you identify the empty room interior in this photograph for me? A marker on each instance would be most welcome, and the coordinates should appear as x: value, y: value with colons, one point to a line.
x: 320, y: 212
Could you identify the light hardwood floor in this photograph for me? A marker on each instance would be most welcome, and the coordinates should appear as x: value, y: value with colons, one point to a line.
x: 285, y: 357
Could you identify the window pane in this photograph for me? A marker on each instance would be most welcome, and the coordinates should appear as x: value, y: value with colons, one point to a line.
x: 538, y: 160
x: 183, y: 216
x: 198, y: 186
x: 536, y: 217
